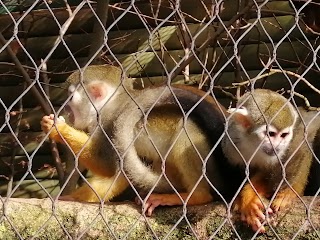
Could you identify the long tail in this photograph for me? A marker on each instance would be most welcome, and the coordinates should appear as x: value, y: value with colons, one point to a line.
x: 207, y: 115
x: 141, y: 175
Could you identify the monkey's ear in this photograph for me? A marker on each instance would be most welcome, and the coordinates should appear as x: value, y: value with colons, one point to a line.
x: 241, y: 116
x: 97, y: 91
x: 241, y: 110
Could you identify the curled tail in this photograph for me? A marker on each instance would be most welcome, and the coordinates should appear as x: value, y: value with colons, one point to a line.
x: 125, y: 133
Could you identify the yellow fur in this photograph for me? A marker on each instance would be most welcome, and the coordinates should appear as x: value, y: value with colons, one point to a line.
x: 101, y: 189
x: 82, y: 146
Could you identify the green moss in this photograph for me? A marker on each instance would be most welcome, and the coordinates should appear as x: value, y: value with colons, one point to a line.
x: 310, y: 235
x: 123, y: 221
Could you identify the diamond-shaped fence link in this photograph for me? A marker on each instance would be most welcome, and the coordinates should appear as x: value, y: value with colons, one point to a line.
x: 151, y: 137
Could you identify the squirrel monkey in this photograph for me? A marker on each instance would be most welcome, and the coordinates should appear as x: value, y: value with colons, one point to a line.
x: 124, y: 131
x: 266, y: 136
x: 82, y: 111
x: 312, y: 121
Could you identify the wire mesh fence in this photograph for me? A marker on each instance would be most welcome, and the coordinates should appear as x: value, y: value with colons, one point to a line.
x: 111, y: 101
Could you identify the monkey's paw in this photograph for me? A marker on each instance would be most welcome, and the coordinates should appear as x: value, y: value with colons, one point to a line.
x: 78, y: 198
x: 47, y: 123
x: 81, y: 195
x: 282, y: 199
x: 252, y: 214
x: 154, y: 201
x: 68, y: 198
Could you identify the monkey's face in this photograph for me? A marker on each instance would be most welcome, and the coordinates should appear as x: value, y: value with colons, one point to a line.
x: 261, y: 139
x: 86, y: 103
x: 274, y: 142
x: 261, y: 146
x: 80, y: 108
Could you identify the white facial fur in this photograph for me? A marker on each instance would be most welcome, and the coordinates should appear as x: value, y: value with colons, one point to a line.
x: 85, y: 110
x: 274, y: 142
x: 262, y: 147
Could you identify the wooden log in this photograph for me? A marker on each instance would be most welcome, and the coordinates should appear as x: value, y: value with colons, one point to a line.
x: 41, y: 165
x: 37, y: 22
x: 29, y: 188
x: 30, y: 141
x: 34, y: 218
x: 135, y: 40
x: 9, y: 94
x: 31, y: 118
x: 289, y: 55
x: 274, y: 82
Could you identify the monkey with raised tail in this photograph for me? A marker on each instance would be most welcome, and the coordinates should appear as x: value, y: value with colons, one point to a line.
x: 265, y: 135
x: 174, y: 129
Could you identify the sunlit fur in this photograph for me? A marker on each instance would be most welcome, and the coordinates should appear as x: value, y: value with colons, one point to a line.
x: 265, y: 135
x: 83, y: 105
x: 150, y: 127
x: 252, y: 123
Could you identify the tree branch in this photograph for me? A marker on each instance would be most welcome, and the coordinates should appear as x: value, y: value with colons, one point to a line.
x: 219, y: 31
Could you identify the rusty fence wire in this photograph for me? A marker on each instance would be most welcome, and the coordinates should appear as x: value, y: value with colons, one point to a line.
x: 223, y: 48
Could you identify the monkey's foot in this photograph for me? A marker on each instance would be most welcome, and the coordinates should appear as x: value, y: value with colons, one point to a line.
x: 67, y: 198
x: 282, y: 199
x: 156, y: 200
x: 73, y: 198
x: 80, y: 195
x: 252, y: 214
x: 173, y: 199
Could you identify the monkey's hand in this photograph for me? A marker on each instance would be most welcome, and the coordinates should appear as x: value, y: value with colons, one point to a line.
x: 152, y: 202
x: 156, y: 200
x: 282, y: 199
x: 251, y: 209
x: 47, y: 123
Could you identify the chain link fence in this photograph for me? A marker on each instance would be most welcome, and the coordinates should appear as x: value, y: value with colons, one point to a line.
x: 224, y: 48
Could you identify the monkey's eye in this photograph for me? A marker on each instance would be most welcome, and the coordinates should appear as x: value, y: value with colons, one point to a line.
x: 272, y: 134
x: 283, y: 135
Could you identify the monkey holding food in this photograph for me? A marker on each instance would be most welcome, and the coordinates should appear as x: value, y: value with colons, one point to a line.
x: 168, y: 129
x: 177, y: 130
